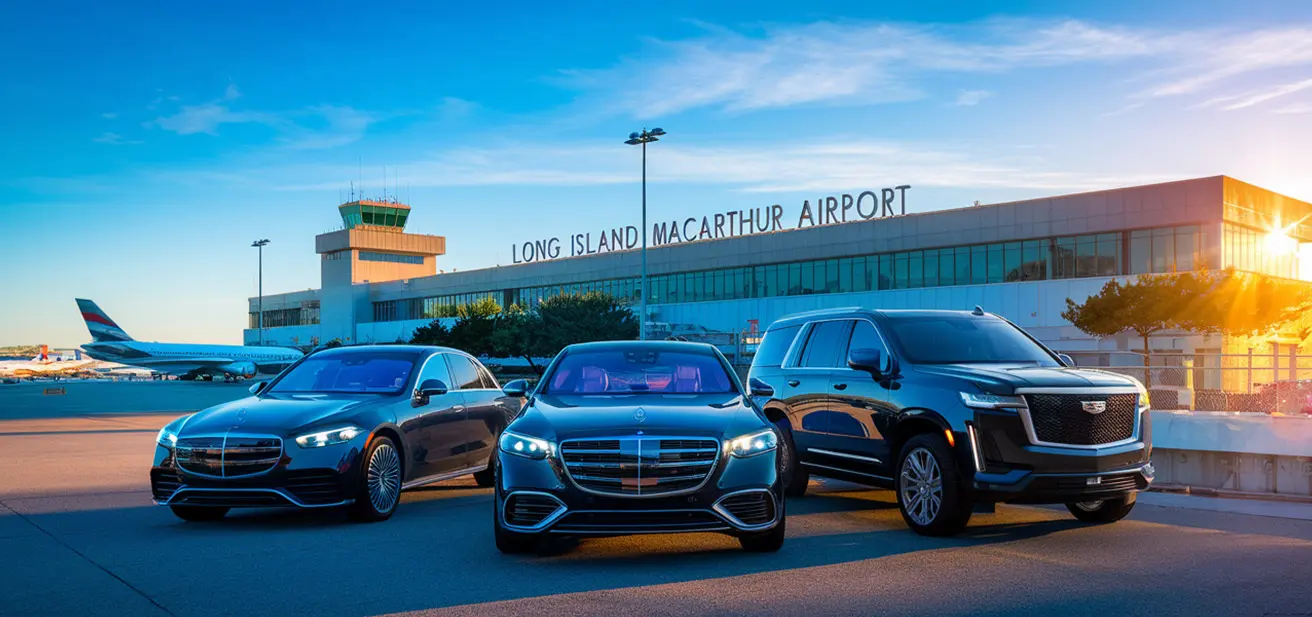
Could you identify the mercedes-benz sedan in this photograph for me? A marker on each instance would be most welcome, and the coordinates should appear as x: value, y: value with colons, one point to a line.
x: 627, y: 438
x: 352, y: 426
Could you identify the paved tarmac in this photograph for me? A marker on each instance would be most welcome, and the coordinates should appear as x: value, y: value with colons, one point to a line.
x: 79, y: 536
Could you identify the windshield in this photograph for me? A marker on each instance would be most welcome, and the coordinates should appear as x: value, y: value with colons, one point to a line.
x: 639, y: 370
x: 371, y: 372
x: 960, y: 339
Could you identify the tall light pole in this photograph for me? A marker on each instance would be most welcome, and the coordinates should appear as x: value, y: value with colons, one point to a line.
x: 259, y: 245
x: 644, y: 138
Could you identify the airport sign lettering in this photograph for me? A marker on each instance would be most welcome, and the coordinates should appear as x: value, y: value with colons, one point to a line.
x: 831, y: 210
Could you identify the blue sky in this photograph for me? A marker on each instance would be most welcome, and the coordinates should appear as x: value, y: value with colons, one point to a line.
x: 146, y: 144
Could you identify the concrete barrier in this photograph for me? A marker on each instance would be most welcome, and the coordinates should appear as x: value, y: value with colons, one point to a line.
x: 1233, y: 452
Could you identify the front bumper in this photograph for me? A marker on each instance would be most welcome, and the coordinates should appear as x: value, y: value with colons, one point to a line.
x: 742, y: 496
x: 303, y: 478
x: 1010, y: 468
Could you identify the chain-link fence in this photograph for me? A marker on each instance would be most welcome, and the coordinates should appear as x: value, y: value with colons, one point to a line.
x: 1250, y: 382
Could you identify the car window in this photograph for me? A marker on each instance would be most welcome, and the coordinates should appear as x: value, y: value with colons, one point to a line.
x: 952, y: 339
x: 463, y: 373
x: 825, y: 346
x: 358, y: 372
x: 775, y: 345
x: 435, y: 368
x: 864, y: 336
x: 487, y: 379
x: 638, y: 371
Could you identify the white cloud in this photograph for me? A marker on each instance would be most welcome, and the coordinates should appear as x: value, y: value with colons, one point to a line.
x: 1295, y: 108
x: 969, y: 98
x: 207, y: 118
x: 109, y: 115
x: 1256, y: 98
x: 864, y: 63
x: 113, y: 139
x: 787, y: 166
x: 323, y: 126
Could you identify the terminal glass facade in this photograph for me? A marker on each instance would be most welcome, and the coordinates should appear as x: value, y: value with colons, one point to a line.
x: 1166, y: 249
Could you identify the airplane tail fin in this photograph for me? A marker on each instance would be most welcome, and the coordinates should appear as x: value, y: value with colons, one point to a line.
x: 101, y: 326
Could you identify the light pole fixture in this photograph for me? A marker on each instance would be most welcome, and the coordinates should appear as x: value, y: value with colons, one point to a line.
x: 259, y: 307
x: 644, y: 138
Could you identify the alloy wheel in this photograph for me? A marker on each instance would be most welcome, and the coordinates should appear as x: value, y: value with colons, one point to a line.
x: 921, y: 486
x: 384, y: 479
x: 1089, y: 506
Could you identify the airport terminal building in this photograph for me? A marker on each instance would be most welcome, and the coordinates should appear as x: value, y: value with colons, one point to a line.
x: 729, y: 274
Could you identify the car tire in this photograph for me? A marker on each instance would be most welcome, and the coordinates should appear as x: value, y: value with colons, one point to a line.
x: 930, y: 490
x: 379, y: 491
x: 488, y: 477
x: 767, y: 541
x: 791, y: 473
x: 512, y: 542
x: 199, y: 513
x: 1102, y: 511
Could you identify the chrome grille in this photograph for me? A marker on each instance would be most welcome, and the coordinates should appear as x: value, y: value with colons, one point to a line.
x: 1061, y: 418
x: 228, y: 456
x: 640, y: 466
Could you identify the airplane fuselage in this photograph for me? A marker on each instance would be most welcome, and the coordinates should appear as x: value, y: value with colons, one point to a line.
x: 183, y: 359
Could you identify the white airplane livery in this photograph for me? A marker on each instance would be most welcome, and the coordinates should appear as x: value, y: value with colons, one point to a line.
x: 111, y: 344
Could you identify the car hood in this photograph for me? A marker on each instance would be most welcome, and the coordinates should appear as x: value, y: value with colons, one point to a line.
x: 282, y: 415
x: 695, y: 415
x: 1006, y: 378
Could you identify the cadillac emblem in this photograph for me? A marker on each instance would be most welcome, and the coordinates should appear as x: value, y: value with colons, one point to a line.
x: 1094, y: 407
x: 640, y: 415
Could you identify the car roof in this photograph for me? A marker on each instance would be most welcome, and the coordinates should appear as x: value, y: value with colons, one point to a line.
x: 685, y: 346
x: 416, y: 349
x: 797, y: 319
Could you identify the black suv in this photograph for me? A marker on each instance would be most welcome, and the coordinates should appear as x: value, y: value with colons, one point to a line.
x: 951, y: 409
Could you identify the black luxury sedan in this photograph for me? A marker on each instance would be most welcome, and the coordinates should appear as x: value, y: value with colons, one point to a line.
x: 351, y: 426
x: 951, y: 409
x: 635, y: 437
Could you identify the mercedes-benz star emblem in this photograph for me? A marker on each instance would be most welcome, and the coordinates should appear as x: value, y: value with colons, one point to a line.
x: 1094, y: 407
x: 640, y: 414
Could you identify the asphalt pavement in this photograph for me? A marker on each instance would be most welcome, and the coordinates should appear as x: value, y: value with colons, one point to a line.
x: 79, y: 536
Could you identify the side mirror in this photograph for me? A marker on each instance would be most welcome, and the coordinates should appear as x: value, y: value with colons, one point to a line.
x: 517, y: 388
x: 1065, y: 359
x: 429, y: 388
x: 865, y: 359
x: 257, y: 387
x: 759, y: 388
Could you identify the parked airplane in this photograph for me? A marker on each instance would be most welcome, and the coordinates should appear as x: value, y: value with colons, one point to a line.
x: 46, y: 364
x: 111, y: 344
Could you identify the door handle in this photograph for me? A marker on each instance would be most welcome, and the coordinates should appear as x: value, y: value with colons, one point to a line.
x: 457, y: 408
x: 793, y: 382
x: 840, y: 386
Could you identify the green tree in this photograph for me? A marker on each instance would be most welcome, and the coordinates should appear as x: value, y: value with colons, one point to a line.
x: 1147, y: 305
x: 581, y: 318
x: 515, y: 335
x: 432, y: 334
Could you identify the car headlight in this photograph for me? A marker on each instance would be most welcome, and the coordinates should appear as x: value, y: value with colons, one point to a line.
x: 979, y: 400
x: 525, y: 446
x: 1143, y: 395
x: 752, y: 444
x: 166, y: 438
x: 328, y: 438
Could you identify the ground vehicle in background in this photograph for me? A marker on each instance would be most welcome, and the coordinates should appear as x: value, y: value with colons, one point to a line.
x: 950, y: 409
x: 638, y: 437
x: 351, y: 426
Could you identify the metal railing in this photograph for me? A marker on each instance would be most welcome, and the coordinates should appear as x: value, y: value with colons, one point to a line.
x: 1208, y: 381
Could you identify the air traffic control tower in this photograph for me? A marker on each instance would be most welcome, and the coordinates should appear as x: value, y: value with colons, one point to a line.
x: 371, y: 248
